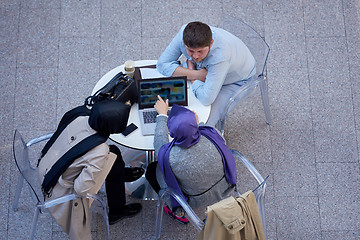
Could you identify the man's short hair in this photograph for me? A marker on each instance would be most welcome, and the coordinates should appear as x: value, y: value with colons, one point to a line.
x: 197, y: 35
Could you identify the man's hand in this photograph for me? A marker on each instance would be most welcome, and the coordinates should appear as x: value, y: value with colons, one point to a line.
x: 190, y: 65
x: 191, y: 74
x: 161, y: 106
x: 201, y: 75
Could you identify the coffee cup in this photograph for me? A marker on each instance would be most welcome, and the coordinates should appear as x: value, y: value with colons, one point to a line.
x: 129, y: 68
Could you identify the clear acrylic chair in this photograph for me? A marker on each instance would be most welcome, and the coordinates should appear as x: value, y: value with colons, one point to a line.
x: 30, y: 175
x: 259, y: 193
x: 260, y: 50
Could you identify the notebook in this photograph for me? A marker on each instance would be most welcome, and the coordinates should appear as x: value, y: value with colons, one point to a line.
x: 172, y: 88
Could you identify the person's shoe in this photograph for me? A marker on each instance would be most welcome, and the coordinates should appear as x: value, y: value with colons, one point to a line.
x: 181, y: 219
x: 128, y: 210
x: 133, y: 174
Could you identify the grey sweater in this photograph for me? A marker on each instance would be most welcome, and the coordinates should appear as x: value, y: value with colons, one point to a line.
x: 197, y: 168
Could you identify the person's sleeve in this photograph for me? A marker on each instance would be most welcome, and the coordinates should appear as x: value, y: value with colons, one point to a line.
x: 207, y: 91
x: 161, y: 136
x: 168, y: 61
x: 93, y: 163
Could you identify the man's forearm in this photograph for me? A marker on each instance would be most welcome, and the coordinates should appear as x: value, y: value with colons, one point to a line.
x: 191, y: 74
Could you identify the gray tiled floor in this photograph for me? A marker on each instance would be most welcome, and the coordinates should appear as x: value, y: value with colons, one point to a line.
x: 54, y: 51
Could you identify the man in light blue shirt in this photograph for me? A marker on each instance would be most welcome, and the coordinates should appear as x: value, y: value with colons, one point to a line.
x: 218, y: 64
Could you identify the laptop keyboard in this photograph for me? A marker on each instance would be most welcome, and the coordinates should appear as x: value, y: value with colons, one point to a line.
x: 150, y: 116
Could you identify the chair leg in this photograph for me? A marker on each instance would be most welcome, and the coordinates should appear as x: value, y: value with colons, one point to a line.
x: 106, y: 220
x: 34, y: 222
x: 222, y: 126
x: 18, y: 192
x: 265, y: 100
x: 194, y: 219
x: 260, y: 199
x: 99, y: 206
x: 159, y: 214
x: 261, y: 204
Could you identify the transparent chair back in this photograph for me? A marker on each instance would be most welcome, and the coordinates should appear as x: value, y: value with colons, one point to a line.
x: 259, y: 193
x: 260, y: 50
x: 29, y: 174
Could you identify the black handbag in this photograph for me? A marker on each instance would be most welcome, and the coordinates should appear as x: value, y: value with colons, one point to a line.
x: 120, y: 87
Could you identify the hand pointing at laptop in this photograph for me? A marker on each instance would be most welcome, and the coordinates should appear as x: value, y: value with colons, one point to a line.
x: 162, y: 106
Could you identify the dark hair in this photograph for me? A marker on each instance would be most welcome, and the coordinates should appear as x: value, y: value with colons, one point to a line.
x: 197, y: 34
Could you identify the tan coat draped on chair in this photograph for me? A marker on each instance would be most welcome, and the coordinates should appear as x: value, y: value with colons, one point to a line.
x: 233, y: 219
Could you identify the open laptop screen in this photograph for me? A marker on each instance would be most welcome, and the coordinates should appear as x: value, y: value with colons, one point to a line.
x: 173, y: 88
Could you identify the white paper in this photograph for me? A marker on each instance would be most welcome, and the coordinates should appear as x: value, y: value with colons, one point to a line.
x: 150, y: 73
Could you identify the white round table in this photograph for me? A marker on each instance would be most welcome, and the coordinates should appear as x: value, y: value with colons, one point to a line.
x: 141, y: 188
x: 135, y: 139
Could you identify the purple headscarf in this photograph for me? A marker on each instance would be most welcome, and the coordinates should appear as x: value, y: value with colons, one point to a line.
x: 184, y: 130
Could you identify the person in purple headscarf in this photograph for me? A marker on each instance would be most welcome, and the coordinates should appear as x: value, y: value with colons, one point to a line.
x: 196, y: 164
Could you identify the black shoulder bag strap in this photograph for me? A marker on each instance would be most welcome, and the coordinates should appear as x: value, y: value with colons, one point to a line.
x: 68, y: 158
x: 65, y: 121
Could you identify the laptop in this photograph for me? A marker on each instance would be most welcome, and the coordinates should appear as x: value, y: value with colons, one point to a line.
x: 172, y: 88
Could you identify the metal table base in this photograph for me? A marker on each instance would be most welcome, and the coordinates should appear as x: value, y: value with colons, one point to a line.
x: 141, y: 189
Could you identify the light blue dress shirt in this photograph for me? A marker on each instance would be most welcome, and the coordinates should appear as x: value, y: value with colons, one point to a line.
x: 229, y: 61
